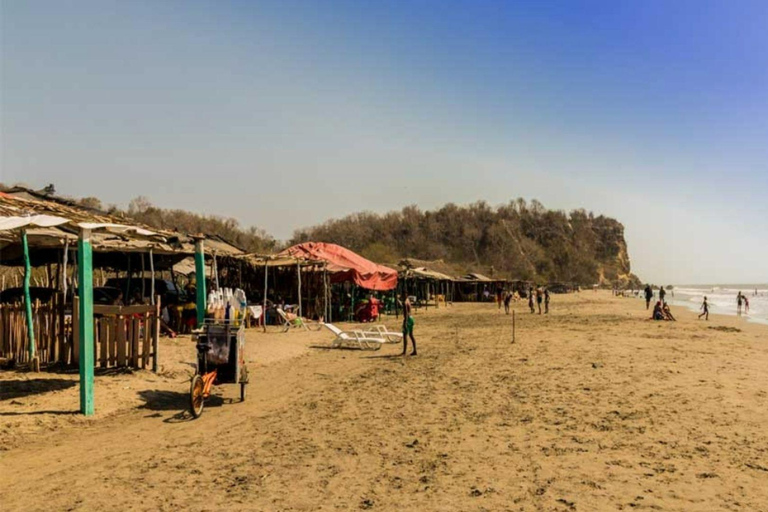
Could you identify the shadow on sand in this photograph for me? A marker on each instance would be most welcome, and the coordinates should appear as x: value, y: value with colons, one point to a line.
x: 20, y: 388
x: 160, y: 400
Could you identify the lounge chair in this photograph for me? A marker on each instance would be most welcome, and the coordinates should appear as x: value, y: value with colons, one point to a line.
x: 297, y: 323
x: 389, y: 336
x: 365, y: 341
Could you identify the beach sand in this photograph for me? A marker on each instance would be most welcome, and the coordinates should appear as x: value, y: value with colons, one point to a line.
x: 593, y: 408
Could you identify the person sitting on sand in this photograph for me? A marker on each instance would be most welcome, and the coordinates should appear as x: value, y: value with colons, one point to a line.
x: 667, y: 313
x: 705, y: 309
x: 658, y: 312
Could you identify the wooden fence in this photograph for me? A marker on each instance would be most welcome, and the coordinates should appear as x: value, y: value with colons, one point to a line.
x: 123, y: 336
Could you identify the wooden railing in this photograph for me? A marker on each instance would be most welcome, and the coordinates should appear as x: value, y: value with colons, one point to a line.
x: 123, y: 336
x: 53, y: 331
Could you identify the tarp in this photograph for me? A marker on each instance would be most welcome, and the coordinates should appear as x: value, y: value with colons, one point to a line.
x: 345, y: 265
x: 43, y: 221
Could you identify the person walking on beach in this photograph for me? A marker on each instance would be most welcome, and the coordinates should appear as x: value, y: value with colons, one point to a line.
x: 746, y: 305
x: 739, y: 299
x: 507, y: 299
x: 499, y: 295
x: 648, y: 296
x: 539, y: 297
x: 546, y: 301
x: 408, y: 327
x: 705, y: 309
x: 662, y: 294
x: 530, y: 299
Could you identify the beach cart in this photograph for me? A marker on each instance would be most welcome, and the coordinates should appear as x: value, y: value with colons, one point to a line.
x: 220, y: 360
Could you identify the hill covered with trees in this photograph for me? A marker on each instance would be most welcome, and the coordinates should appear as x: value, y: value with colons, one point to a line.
x: 518, y: 240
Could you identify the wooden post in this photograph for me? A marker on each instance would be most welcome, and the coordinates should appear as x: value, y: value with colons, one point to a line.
x: 152, y: 278
x: 215, y: 270
x: 298, y: 273
x: 85, y: 277
x: 34, y: 362
x: 513, y: 326
x: 264, y: 305
x: 326, y: 316
x: 143, y: 283
x: 155, y: 334
x: 200, y: 279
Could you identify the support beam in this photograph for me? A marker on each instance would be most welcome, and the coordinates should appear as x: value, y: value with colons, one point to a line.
x: 200, y: 280
x: 152, y: 282
x: 34, y: 364
x: 85, y: 278
x: 264, y: 306
x: 298, y: 273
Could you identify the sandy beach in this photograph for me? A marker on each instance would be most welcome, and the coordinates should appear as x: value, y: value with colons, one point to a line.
x: 592, y: 408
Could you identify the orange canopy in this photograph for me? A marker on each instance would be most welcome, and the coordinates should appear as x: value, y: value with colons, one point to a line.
x: 346, y: 265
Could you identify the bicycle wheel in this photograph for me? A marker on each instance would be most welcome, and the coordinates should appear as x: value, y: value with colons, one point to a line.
x: 196, y: 399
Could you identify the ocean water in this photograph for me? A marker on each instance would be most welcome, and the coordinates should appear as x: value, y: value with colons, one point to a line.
x: 722, y: 299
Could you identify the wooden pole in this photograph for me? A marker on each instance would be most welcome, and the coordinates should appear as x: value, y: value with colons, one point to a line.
x: 513, y: 326
x: 326, y: 302
x: 200, y: 280
x: 215, y: 269
x: 298, y: 273
x: 64, y: 270
x: 143, y: 282
x: 264, y: 306
x: 33, y: 361
x: 85, y: 277
x: 155, y: 329
x: 152, y: 281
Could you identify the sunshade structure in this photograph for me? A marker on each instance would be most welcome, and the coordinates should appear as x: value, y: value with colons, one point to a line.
x: 117, y: 242
x: 344, y: 265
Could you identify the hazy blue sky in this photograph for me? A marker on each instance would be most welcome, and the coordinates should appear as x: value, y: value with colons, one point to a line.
x: 283, y: 114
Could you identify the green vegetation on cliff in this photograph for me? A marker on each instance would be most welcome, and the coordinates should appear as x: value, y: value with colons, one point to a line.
x: 517, y: 240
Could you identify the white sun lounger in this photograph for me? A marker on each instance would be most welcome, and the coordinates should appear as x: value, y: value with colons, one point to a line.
x: 389, y: 336
x: 365, y: 341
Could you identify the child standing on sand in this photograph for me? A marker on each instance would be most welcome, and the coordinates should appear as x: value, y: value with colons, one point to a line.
x: 705, y: 309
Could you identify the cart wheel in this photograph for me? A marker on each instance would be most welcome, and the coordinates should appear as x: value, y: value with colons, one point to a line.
x: 196, y: 399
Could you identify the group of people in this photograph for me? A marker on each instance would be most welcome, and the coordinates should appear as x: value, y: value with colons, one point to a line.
x: 505, y: 298
x: 661, y: 310
x: 542, y: 295
x: 742, y: 300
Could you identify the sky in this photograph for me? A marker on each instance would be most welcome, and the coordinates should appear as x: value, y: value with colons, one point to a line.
x: 283, y: 114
